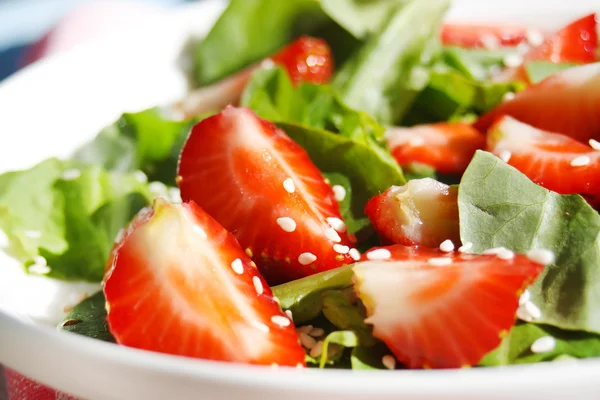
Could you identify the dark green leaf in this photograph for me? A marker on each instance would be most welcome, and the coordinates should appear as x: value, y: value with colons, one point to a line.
x: 539, y: 70
x: 387, y: 72
x: 516, y: 347
x: 303, y: 296
x: 499, y: 206
x: 361, y: 17
x: 88, y: 318
x: 475, y: 63
x: 346, y: 312
x: 146, y: 141
x: 72, y: 221
x: 249, y: 30
x: 369, y: 357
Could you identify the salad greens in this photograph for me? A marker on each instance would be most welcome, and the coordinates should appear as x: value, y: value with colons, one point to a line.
x: 62, y: 216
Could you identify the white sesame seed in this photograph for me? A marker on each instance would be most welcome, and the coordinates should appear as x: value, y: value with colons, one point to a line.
x: 490, y: 42
x: 543, y: 344
x: 388, y: 361
x: 33, y: 234
x: 39, y: 260
x: 260, y: 326
x: 332, y: 235
x: 505, y: 156
x: 465, y: 247
x: 355, y: 254
x: 525, y: 297
x: 594, y: 144
x: 257, y: 285
x: 198, y: 229
x: 493, y: 251
x: 316, y: 332
x: 513, y: 60
x: 238, y: 267
x: 140, y: 176
x: 580, y: 161
x: 506, y: 254
x: 304, y: 329
x: 287, y: 224
x: 267, y: 63
x: 174, y: 195
x: 532, y: 310
x: 39, y: 267
x: 157, y: 188
x: 289, y: 186
x: 289, y: 314
x: 523, y: 314
x: 440, y: 261
x: 340, y: 248
x: 316, y: 351
x: 508, y: 96
x: 307, y: 341
x: 280, y: 320
x: 4, y: 241
x: 541, y: 256
x: 534, y: 37
x: 336, y: 224
x: 447, y: 246
x: 306, y: 258
x: 276, y: 300
x: 71, y: 174
x: 379, y: 254
x: 339, y: 193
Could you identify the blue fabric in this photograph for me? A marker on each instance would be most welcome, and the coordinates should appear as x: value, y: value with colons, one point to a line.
x: 24, y: 21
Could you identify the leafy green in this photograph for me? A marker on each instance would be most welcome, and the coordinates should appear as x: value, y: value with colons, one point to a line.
x: 355, y: 221
x: 341, y: 338
x: 338, y: 139
x: 515, y: 348
x: 387, y: 72
x: 418, y: 171
x: 360, y: 17
x: 145, y: 140
x: 88, y: 318
x: 67, y: 213
x: 369, y: 358
x: 539, y: 70
x: 475, y: 64
x: 250, y: 30
x: 346, y: 312
x: 303, y: 296
x: 499, y: 206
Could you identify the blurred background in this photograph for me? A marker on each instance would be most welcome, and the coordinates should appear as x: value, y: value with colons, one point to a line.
x: 31, y: 29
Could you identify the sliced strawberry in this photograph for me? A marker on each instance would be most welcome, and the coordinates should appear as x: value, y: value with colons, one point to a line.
x: 422, y: 212
x: 567, y: 102
x: 262, y: 186
x: 486, y: 36
x: 447, y: 147
x: 445, y: 311
x: 307, y: 59
x: 179, y: 283
x: 575, y: 43
x: 551, y: 160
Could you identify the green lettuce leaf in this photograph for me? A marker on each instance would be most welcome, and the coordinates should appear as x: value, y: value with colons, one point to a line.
x: 355, y: 221
x: 387, y: 72
x: 516, y: 347
x: 88, y: 318
x: 69, y: 214
x: 361, y: 17
x: 539, y: 70
x: 499, y: 206
x: 145, y: 140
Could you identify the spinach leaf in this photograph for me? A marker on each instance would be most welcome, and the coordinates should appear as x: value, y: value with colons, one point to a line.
x: 145, y: 140
x: 516, y: 347
x: 355, y: 221
x: 346, y: 312
x: 499, y: 206
x: 539, y: 70
x: 369, y: 358
x: 387, y: 72
x: 475, y: 64
x: 250, y: 30
x: 360, y: 17
x: 69, y: 214
x: 88, y: 318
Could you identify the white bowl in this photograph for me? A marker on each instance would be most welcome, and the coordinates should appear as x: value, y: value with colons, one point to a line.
x: 53, y: 106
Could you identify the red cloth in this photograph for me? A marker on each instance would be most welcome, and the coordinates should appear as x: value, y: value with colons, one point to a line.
x: 21, y: 388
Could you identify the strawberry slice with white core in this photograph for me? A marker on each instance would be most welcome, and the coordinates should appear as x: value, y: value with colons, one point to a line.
x: 551, y: 160
x: 179, y: 283
x: 567, y: 102
x: 262, y: 186
x: 448, y: 147
x: 446, y: 311
x: 422, y: 212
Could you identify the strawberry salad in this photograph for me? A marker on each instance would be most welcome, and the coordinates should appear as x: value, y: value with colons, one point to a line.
x: 340, y: 190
